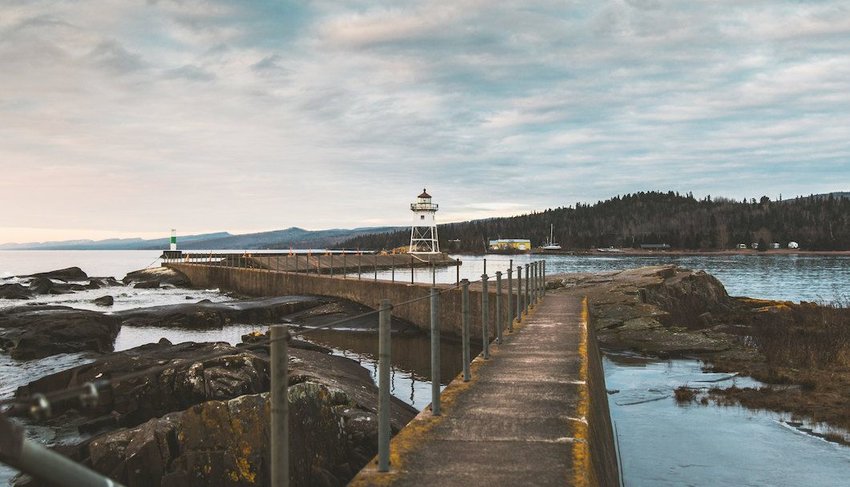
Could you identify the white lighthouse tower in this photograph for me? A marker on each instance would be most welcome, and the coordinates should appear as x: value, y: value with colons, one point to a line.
x: 423, y: 233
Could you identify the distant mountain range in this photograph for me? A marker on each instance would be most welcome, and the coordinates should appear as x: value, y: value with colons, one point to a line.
x: 293, y: 237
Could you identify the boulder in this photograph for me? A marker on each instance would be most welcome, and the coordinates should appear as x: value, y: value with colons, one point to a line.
x: 661, y: 310
x: 67, y: 274
x: 206, y: 314
x: 105, y: 301
x: 99, y: 282
x: 161, y: 275
x: 225, y: 443
x: 43, y: 285
x: 688, y: 294
x: 14, y: 291
x: 40, y: 331
x: 178, y: 376
x: 147, y: 285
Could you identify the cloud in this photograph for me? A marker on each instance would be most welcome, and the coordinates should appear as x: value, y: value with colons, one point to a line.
x: 190, y: 72
x: 113, y: 56
x: 208, y: 115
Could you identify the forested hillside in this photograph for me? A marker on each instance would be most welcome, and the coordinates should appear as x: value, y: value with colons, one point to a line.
x: 817, y: 222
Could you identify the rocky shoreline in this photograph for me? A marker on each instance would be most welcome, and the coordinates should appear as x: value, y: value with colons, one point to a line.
x: 194, y: 413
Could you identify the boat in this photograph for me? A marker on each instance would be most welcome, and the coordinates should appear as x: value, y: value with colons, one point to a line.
x: 551, y: 244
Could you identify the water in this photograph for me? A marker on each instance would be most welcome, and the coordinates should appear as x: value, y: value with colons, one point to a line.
x: 661, y: 443
x: 97, y: 263
x: 664, y: 444
x: 794, y: 277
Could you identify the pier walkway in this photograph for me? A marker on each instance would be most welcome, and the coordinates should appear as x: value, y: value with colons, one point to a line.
x: 521, y: 420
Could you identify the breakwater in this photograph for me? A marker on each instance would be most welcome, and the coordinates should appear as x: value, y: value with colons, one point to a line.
x: 369, y: 292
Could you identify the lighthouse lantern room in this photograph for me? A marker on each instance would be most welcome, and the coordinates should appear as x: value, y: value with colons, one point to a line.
x: 423, y: 232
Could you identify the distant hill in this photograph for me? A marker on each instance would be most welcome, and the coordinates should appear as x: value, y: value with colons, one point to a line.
x: 277, y: 239
x: 816, y: 222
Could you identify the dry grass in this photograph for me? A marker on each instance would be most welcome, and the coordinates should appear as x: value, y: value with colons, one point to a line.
x: 805, y: 336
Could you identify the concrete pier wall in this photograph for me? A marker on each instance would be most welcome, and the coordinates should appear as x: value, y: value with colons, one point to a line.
x: 603, y: 466
x: 369, y: 292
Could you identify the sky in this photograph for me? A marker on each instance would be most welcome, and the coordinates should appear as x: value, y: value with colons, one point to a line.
x: 128, y: 118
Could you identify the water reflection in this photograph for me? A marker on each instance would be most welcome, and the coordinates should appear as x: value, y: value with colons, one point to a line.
x: 411, y: 360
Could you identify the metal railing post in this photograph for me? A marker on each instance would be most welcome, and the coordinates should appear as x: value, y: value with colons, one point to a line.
x: 498, y: 307
x: 519, y: 295
x: 485, y: 316
x: 540, y: 281
x: 534, y: 284
x: 465, y: 329
x: 279, y: 363
x: 526, y: 303
x: 411, y: 268
x: 384, y: 386
x: 435, y: 352
x: 537, y: 282
x: 544, y: 278
x: 457, y: 270
x: 510, y: 301
x: 485, y: 265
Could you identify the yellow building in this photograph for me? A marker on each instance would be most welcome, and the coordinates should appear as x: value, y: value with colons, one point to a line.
x: 510, y: 245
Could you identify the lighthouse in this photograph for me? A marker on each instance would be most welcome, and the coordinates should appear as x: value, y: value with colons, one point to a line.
x: 423, y: 232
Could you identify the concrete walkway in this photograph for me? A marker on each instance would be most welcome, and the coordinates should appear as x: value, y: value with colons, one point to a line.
x: 520, y: 421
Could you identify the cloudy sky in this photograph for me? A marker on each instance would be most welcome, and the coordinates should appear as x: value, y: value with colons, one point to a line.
x: 128, y: 118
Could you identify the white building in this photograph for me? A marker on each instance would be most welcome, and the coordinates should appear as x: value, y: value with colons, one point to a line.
x: 423, y: 232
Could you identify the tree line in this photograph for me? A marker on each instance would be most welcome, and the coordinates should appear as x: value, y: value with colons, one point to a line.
x: 816, y: 222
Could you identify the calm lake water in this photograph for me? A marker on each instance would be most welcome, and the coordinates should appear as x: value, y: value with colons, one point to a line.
x: 661, y: 443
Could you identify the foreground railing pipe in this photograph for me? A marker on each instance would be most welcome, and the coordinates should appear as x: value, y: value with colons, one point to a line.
x: 384, y: 386
x: 279, y: 407
x: 465, y: 329
x: 485, y: 317
x: 42, y: 463
x: 435, y: 352
x: 510, y: 301
x: 498, y: 307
